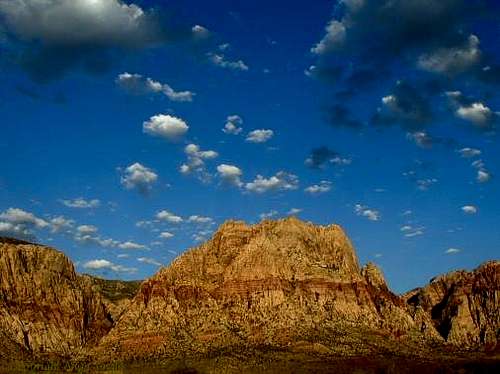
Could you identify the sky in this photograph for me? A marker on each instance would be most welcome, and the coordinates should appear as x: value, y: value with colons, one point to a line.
x: 129, y: 131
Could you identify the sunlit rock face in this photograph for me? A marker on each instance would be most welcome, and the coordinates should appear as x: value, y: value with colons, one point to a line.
x: 270, y: 284
x: 44, y: 306
x: 464, y: 307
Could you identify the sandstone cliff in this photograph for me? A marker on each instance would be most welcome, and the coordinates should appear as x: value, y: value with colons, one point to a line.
x: 464, y: 307
x: 44, y: 307
x: 274, y: 284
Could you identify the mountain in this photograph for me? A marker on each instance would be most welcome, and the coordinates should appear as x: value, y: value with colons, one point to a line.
x: 464, y: 307
x: 46, y: 308
x: 281, y: 284
x: 277, y: 287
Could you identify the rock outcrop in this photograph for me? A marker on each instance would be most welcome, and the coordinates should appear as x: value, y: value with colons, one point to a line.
x: 273, y: 284
x: 463, y: 307
x: 44, y: 307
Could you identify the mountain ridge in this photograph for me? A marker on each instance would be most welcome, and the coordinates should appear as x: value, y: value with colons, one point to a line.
x: 284, y: 285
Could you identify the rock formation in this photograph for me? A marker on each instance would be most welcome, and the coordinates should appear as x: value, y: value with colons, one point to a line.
x: 273, y: 284
x: 286, y: 285
x: 44, y: 307
x: 463, y: 307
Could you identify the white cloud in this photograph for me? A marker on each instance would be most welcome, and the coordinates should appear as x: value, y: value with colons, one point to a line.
x: 452, y: 60
x: 322, y: 187
x: 200, y: 32
x: 334, y: 38
x: 139, y: 177
x: 259, y: 136
x: 410, y: 231
x: 220, y: 60
x: 477, y: 113
x: 169, y: 217
x: 107, y: 265
x: 267, y: 215
x: 483, y: 175
x: 230, y: 174
x: 469, y: 209
x: 87, y: 229
x: 166, y: 235
x: 200, y: 220
x: 196, y: 162
x: 282, y: 181
x: 452, y: 251
x: 81, y: 203
x: 363, y: 211
x: 60, y: 223
x: 140, y: 85
x: 469, y: 152
x: 294, y: 211
x: 233, y: 125
x: 21, y: 217
x: 425, y: 184
x: 149, y: 261
x: 420, y: 138
x: 131, y: 246
x: 166, y: 126
x: 80, y: 22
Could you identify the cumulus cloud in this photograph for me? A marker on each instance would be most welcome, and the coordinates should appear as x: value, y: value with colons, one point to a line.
x: 317, y: 189
x: 259, y: 136
x: 421, y: 139
x: 137, y: 176
x: 220, y: 60
x: 169, y: 217
x: 81, y: 203
x: 405, y: 107
x: 230, y: 175
x: 483, y: 175
x: 470, y: 110
x: 87, y: 229
x: 140, y: 85
x: 101, y: 264
x: 77, y: 33
x: 131, y: 245
x: 469, y: 209
x: 363, y: 211
x: 452, y: 60
x: 200, y: 32
x: 425, y: 184
x: 200, y: 220
x: 282, y: 181
x: 233, y: 125
x: 166, y: 126
x: 61, y: 224
x: 20, y: 224
x: 166, y: 235
x: 333, y: 39
x: 196, y: 162
x: 453, y: 251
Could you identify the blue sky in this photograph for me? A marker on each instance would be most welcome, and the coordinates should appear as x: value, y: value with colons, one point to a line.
x: 129, y: 132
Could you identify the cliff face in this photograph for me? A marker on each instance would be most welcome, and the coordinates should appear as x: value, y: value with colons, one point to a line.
x: 270, y: 284
x: 44, y: 307
x: 463, y: 307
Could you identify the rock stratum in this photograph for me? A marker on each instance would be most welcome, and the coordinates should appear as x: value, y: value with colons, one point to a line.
x: 283, y: 285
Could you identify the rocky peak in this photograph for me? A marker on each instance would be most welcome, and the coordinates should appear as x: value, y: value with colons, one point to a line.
x: 374, y: 276
x: 44, y: 308
x: 463, y: 306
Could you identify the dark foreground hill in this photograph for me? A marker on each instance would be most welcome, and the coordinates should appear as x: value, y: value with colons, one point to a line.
x: 278, y: 293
